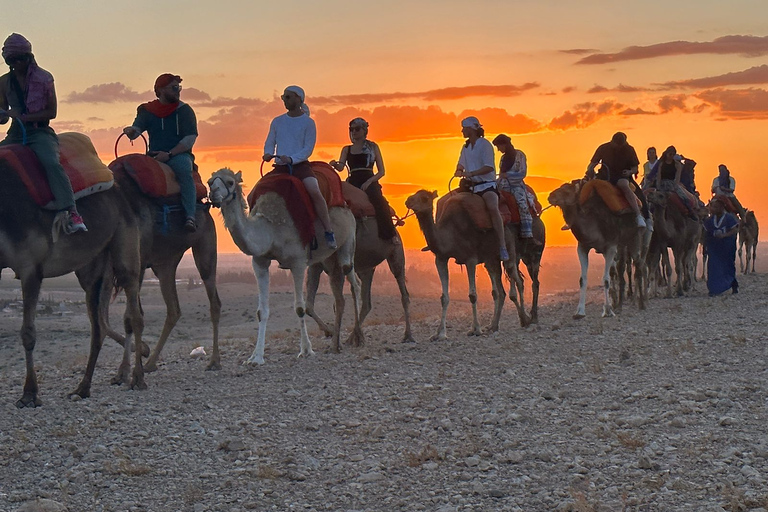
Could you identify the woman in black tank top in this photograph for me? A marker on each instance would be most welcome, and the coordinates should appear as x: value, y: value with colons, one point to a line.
x: 669, y: 169
x: 360, y: 157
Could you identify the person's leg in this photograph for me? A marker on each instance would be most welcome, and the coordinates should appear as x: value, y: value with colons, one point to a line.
x: 492, y: 203
x: 45, y: 144
x: 639, y: 194
x: 321, y: 209
x: 623, y: 185
x: 526, y: 221
x: 181, y: 165
x: 382, y: 210
x: 737, y: 204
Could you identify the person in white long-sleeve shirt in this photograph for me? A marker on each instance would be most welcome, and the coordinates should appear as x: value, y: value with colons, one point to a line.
x: 290, y: 143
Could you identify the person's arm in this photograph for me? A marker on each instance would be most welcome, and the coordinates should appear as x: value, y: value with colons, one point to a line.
x: 658, y: 177
x: 379, y: 167
x: 461, y: 164
x: 270, y: 143
x: 520, y: 168
x: 678, y: 171
x: 4, y: 117
x: 342, y: 161
x: 49, y: 112
x: 139, y: 125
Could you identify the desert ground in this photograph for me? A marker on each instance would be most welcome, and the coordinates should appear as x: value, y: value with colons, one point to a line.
x: 656, y: 410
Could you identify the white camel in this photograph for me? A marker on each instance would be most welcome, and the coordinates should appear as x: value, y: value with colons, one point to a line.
x: 268, y: 233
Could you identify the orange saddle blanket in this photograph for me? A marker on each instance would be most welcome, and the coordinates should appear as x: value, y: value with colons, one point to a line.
x: 514, y: 211
x: 296, y: 197
x: 611, y: 195
x: 358, y: 201
x: 85, y: 170
x: 455, y: 201
x: 155, y: 179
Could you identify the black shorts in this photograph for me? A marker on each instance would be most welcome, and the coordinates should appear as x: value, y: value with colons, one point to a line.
x: 301, y: 170
x: 492, y: 190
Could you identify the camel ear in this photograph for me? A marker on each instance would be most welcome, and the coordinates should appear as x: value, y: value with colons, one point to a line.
x: 434, y: 194
x: 239, y: 176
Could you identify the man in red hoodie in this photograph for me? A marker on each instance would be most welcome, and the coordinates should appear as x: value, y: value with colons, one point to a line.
x: 172, y: 128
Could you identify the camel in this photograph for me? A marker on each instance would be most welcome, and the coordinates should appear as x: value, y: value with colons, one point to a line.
x: 679, y: 232
x: 162, y: 252
x: 530, y: 254
x: 268, y: 234
x: 108, y: 250
x: 596, y: 227
x: 370, y: 251
x: 457, y: 237
x: 748, y: 235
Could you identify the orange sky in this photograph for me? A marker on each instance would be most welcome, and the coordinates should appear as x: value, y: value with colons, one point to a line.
x: 560, y: 78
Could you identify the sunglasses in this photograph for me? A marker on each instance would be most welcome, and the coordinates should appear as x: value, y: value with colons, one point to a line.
x: 16, y: 58
x: 175, y: 88
x: 355, y: 128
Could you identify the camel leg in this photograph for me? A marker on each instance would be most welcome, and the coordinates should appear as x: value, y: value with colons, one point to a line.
x: 641, y: 278
x: 396, y: 264
x: 667, y: 267
x: 366, y: 281
x: 609, y: 256
x: 442, y: 271
x: 313, y: 283
x: 581, y: 309
x: 471, y: 278
x: 107, y: 290
x: 261, y: 270
x: 300, y: 306
x: 205, y: 261
x: 741, y: 261
x: 754, y: 254
x: 166, y: 274
x: 494, y: 272
x: 30, y: 289
x: 126, y: 265
x: 680, y: 271
x: 517, y: 292
x: 356, y: 337
x: 533, y: 266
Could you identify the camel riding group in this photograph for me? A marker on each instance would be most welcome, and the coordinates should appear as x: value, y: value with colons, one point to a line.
x: 62, y: 210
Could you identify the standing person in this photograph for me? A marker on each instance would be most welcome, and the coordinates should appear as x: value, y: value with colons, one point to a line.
x: 721, y: 229
x: 361, y: 156
x: 477, y: 165
x: 290, y: 142
x: 725, y: 185
x: 513, y: 167
x: 649, y: 168
x: 28, y: 97
x: 172, y: 128
x: 621, y: 160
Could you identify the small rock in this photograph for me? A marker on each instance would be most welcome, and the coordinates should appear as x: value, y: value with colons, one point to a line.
x: 371, y: 477
x: 42, y: 505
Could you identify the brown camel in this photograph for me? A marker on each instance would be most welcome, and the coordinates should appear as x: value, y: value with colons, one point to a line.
x: 162, y: 252
x: 370, y: 251
x: 596, y: 227
x: 748, y: 235
x: 457, y: 237
x: 530, y: 254
x: 108, y: 250
x: 676, y: 231
x: 268, y: 233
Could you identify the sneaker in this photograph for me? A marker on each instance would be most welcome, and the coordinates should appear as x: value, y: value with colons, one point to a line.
x: 330, y: 240
x: 640, y: 221
x: 76, y: 223
x: 190, y: 226
x: 503, y: 254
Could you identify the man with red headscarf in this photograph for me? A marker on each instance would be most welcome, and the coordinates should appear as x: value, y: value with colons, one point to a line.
x: 27, y: 96
x: 172, y: 128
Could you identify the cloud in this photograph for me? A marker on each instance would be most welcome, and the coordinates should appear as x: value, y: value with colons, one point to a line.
x: 636, y: 112
x: 447, y: 93
x: 579, y: 51
x: 672, y: 102
x: 754, y: 75
x: 568, y: 89
x: 746, y: 46
x: 737, y: 104
x: 618, y: 88
x: 585, y: 114
x: 108, y: 93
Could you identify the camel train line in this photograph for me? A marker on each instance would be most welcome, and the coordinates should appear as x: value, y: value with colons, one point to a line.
x: 133, y: 226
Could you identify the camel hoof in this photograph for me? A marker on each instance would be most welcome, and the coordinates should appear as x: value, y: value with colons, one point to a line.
x: 475, y: 332
x: 28, y: 400
x: 491, y: 329
x: 608, y: 314
x: 254, y: 361
x: 303, y: 354
x: 138, y: 383
x: 327, y: 333
x: 144, y: 349
x: 356, y: 339
x: 80, y: 392
x: 408, y: 338
x: 579, y: 316
x: 213, y: 366
x: 525, y: 321
x: 438, y: 337
x: 150, y: 367
x: 122, y: 376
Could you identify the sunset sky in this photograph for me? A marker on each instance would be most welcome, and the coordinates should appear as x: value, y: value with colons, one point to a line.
x: 560, y: 77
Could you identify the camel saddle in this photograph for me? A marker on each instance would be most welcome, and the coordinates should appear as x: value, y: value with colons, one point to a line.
x: 155, y: 179
x: 610, y: 194
x: 472, y: 204
x: 296, y: 197
x: 514, y: 211
x: 77, y: 155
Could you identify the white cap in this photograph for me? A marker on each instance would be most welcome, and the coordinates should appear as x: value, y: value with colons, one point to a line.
x: 471, y: 122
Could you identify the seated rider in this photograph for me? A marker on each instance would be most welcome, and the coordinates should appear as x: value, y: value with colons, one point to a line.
x: 512, y: 170
x: 725, y: 185
x: 649, y: 169
x: 361, y: 156
x: 28, y: 97
x: 290, y: 142
x: 621, y: 162
x: 477, y: 166
x: 172, y: 128
x: 669, y: 175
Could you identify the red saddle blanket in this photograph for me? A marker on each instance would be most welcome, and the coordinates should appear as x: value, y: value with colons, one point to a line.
x: 513, y: 208
x: 471, y: 203
x: 296, y: 197
x: 611, y: 195
x: 729, y: 206
x: 85, y: 170
x: 155, y: 179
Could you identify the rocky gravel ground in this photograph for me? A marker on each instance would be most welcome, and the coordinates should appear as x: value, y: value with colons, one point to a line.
x: 659, y: 410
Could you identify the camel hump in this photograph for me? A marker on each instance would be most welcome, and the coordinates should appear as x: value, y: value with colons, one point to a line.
x: 463, y: 203
x: 85, y: 170
x: 610, y: 194
x: 155, y: 179
x: 329, y: 182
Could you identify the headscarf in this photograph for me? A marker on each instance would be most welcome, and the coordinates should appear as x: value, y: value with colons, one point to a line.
x: 300, y: 93
x: 471, y: 122
x: 39, y: 81
x: 724, y: 179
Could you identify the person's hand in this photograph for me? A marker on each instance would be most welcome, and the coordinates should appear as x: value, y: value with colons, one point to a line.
x: 267, y: 157
x: 162, y: 156
x: 131, y: 132
x: 459, y: 173
x: 334, y: 164
x: 285, y: 160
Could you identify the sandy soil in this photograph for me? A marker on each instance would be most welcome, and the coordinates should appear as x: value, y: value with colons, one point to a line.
x: 663, y: 409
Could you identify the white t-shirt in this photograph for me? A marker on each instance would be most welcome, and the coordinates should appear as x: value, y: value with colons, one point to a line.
x: 716, y: 186
x: 291, y: 136
x: 475, y: 157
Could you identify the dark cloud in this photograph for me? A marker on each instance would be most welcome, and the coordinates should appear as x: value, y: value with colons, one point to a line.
x: 618, y: 88
x: 672, y: 102
x: 108, y: 93
x: 746, y: 46
x: 447, y: 93
x: 579, y: 51
x: 568, y: 89
x: 737, y: 104
x: 751, y: 76
x: 585, y: 114
x: 636, y: 112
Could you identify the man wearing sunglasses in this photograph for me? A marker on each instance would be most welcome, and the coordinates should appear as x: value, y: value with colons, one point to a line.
x: 28, y: 97
x: 172, y: 128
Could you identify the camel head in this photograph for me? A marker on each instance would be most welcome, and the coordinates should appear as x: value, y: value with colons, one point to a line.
x: 565, y: 195
x: 421, y: 201
x: 224, y: 186
x: 657, y: 197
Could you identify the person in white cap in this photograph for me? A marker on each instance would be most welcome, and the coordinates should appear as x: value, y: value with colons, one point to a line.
x: 477, y: 165
x: 290, y: 143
